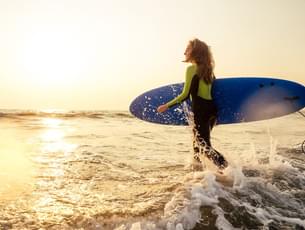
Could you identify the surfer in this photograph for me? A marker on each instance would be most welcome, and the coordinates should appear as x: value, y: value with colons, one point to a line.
x: 198, y: 84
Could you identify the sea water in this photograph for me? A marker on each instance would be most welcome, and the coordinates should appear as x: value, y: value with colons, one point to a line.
x: 109, y: 170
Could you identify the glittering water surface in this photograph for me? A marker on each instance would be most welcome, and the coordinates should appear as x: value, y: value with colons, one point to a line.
x: 108, y: 170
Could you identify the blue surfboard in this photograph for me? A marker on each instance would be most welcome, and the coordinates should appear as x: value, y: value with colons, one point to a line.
x: 241, y: 99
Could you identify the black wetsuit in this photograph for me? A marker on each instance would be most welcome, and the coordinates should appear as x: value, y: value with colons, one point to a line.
x: 205, y: 115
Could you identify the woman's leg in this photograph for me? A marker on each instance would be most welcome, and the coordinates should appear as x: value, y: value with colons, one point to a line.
x: 196, y: 146
x: 203, y: 127
x: 212, y: 121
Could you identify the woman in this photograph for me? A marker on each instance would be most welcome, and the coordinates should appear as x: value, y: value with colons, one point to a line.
x: 198, y: 84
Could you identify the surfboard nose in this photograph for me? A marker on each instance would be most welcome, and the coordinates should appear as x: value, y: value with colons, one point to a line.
x: 135, y: 107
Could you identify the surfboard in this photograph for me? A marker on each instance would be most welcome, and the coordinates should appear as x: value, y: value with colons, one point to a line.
x: 240, y: 99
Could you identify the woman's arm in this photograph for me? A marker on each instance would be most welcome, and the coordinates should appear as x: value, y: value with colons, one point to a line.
x: 190, y: 72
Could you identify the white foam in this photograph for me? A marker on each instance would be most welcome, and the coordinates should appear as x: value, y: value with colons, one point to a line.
x: 203, y: 189
x: 221, y: 221
x: 136, y: 226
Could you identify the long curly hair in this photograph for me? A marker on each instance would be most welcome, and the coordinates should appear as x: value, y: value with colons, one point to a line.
x: 200, y: 53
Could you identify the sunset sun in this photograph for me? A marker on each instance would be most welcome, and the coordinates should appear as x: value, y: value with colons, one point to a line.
x: 55, y: 58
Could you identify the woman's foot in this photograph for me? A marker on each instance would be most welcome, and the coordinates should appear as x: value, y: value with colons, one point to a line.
x: 197, y: 164
x: 218, y: 159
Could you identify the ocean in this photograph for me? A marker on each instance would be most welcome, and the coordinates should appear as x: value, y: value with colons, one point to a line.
x: 109, y: 170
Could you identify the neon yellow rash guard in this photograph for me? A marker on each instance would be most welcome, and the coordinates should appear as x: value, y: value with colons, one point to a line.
x: 204, y: 89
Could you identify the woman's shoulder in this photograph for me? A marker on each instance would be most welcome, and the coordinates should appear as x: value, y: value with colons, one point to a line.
x: 191, y: 68
x: 190, y: 72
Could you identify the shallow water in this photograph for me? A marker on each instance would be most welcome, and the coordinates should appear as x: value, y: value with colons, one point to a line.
x: 108, y: 170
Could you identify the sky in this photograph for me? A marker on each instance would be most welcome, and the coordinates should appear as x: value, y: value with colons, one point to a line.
x: 101, y: 54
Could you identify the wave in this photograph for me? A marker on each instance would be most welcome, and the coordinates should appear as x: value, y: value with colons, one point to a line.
x: 15, y: 114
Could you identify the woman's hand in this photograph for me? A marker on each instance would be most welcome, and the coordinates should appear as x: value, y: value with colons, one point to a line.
x: 162, y: 108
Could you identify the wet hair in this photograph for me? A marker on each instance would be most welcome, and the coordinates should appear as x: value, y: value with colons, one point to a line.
x: 201, y: 54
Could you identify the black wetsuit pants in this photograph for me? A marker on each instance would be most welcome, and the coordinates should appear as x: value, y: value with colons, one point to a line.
x: 205, y: 114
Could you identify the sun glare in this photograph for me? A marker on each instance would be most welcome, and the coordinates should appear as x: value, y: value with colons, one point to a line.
x: 55, y: 58
x: 53, y: 137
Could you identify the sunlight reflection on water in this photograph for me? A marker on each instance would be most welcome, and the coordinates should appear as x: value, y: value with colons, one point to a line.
x: 52, y: 155
x: 53, y: 137
x: 16, y: 169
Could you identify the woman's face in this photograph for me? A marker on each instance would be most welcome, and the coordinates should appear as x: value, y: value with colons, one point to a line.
x: 188, y: 52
